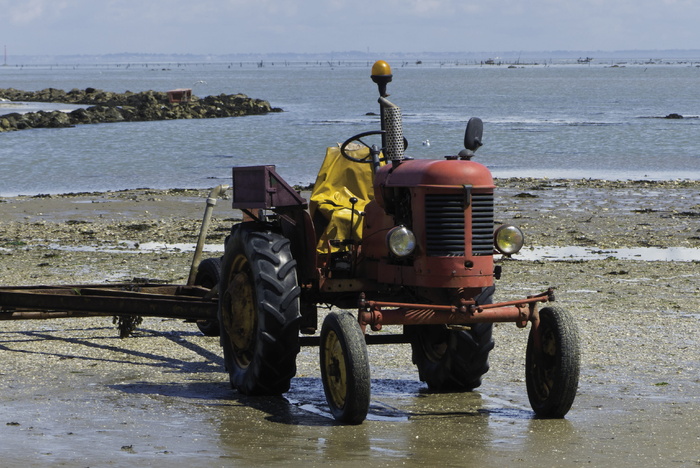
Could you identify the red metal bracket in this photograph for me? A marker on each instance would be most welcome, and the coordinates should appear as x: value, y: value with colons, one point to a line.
x: 376, y: 313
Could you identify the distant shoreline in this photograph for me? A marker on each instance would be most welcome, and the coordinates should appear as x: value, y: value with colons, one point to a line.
x: 325, y: 59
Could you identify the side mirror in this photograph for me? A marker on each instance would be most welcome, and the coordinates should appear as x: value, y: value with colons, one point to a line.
x: 473, y: 134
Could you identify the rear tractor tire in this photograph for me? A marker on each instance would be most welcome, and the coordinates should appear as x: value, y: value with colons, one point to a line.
x: 208, y: 276
x: 451, y: 360
x: 259, y: 311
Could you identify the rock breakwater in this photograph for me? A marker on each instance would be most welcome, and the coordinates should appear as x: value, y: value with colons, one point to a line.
x: 105, y: 107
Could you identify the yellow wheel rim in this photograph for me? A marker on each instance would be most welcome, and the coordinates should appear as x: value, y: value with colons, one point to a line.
x: 240, y: 317
x: 336, y: 372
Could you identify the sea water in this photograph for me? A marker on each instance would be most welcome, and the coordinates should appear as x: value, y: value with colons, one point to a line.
x: 568, y: 121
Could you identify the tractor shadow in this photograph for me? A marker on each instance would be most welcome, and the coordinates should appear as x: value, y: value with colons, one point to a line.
x: 198, y: 374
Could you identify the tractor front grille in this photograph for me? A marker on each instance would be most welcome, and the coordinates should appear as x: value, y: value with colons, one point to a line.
x: 482, y: 223
x: 445, y: 224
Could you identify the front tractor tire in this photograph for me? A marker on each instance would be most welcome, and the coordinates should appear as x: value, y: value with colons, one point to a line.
x: 345, y: 368
x: 552, y: 369
x: 259, y: 311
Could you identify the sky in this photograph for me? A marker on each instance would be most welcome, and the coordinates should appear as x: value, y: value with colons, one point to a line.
x: 219, y: 27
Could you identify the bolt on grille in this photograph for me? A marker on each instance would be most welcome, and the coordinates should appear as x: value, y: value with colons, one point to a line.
x: 445, y: 222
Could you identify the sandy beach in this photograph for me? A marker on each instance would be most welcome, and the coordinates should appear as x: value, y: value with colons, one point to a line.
x: 638, y: 402
x: 587, y: 213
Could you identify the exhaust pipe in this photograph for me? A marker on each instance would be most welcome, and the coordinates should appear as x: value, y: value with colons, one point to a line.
x: 393, y: 141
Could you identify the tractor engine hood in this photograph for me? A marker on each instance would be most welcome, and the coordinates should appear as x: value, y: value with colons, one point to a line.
x: 430, y: 173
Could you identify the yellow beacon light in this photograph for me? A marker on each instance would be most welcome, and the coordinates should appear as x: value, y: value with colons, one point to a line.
x: 381, y: 74
x: 381, y: 68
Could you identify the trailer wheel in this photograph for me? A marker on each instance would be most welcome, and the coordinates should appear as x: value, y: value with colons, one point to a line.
x: 451, y: 360
x: 208, y: 276
x: 551, y: 374
x: 345, y: 368
x: 259, y: 311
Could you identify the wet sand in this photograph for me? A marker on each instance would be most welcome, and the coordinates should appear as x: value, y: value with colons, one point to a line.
x: 76, y: 394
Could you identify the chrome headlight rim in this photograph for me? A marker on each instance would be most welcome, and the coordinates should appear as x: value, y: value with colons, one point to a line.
x: 508, y: 239
x: 401, y: 241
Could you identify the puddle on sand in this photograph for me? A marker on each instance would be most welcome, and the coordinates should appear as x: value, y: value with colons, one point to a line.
x: 646, y: 254
x: 136, y: 247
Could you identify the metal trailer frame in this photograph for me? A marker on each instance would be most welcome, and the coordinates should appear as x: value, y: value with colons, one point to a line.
x: 188, y: 301
x: 191, y: 303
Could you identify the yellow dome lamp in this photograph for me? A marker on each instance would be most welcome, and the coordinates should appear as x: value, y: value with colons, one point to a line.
x: 381, y: 74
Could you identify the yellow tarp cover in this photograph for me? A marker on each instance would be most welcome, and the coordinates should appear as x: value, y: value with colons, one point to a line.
x: 339, y: 180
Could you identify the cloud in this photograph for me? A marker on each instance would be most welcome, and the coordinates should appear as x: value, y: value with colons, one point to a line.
x: 229, y: 26
x: 24, y: 12
x: 28, y: 11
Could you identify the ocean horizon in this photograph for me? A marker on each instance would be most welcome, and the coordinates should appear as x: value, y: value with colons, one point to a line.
x: 504, y: 56
x: 582, y: 119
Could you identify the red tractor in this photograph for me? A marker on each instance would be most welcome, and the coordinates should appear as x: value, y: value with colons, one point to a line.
x: 404, y: 242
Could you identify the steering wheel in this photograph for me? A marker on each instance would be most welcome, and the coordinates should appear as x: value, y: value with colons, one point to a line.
x: 373, y: 157
x: 372, y: 149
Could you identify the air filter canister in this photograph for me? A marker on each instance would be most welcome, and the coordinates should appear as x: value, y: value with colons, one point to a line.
x: 394, y: 133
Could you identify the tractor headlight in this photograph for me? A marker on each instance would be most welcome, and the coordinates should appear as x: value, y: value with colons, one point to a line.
x: 401, y: 241
x: 508, y: 239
